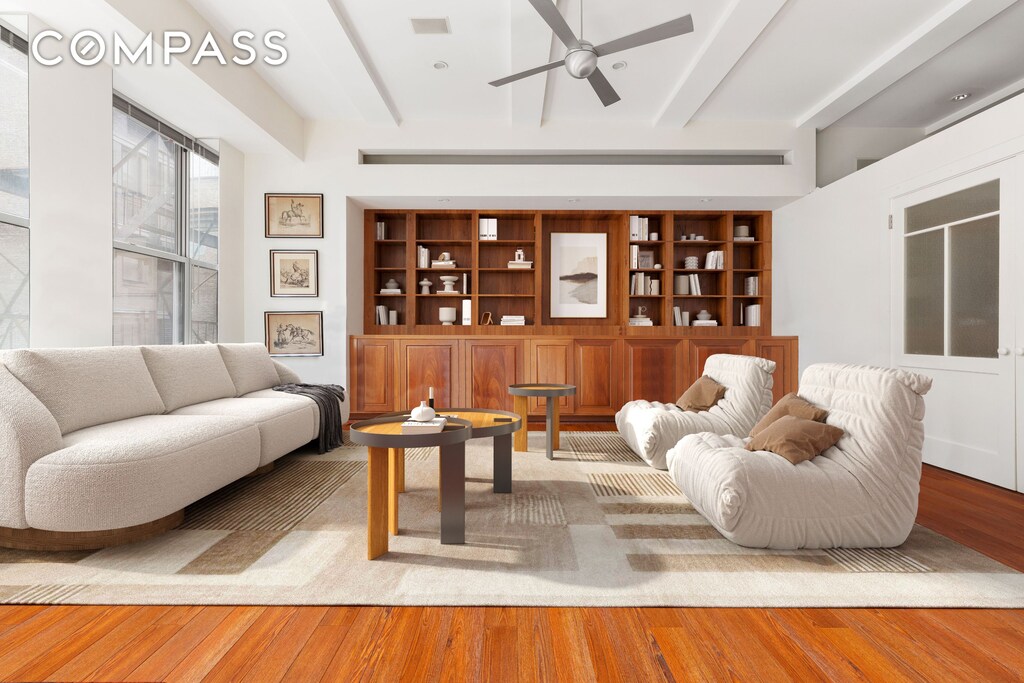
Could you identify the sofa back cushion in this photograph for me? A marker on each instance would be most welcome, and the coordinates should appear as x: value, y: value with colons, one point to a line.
x: 250, y: 366
x: 88, y: 386
x: 186, y: 375
x: 748, y: 382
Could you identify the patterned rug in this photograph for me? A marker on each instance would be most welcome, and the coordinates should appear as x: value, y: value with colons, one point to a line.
x: 596, y: 526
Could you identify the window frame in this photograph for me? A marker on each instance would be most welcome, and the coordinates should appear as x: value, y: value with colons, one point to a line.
x: 186, y: 149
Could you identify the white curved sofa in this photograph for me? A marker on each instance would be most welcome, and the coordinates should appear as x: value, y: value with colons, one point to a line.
x: 652, y: 428
x: 105, y: 445
x: 861, y: 493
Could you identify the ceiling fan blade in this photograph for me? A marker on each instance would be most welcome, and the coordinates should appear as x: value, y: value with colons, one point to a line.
x: 669, y: 29
x: 528, y: 72
x: 603, y: 88
x: 553, y: 18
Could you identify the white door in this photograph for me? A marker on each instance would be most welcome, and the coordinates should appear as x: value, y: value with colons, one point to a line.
x: 954, y: 317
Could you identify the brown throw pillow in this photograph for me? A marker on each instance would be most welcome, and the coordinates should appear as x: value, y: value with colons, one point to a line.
x: 796, y: 439
x: 790, y: 404
x: 701, y: 395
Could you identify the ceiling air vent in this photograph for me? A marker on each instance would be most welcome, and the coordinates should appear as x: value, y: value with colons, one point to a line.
x: 431, y: 26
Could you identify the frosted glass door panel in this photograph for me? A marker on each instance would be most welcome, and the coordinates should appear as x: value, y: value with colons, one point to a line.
x: 951, y: 208
x: 974, y: 288
x: 925, y: 299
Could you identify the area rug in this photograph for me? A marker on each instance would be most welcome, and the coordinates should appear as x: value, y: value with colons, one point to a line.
x: 596, y: 526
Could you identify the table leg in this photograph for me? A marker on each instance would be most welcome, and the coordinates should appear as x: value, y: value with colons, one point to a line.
x: 522, y: 407
x: 377, y: 503
x: 556, y: 424
x: 395, y: 458
x: 503, y: 463
x: 550, y: 426
x: 400, y: 461
x: 453, y: 494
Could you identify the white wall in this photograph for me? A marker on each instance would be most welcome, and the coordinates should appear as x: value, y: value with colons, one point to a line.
x: 331, y: 166
x: 840, y: 147
x: 832, y: 251
x: 231, y: 279
x: 70, y: 148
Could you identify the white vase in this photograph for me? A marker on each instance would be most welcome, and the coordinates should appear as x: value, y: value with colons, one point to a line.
x: 447, y: 316
x: 703, y: 315
x: 423, y: 412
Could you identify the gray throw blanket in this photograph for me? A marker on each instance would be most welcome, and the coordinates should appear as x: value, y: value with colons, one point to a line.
x: 327, y: 397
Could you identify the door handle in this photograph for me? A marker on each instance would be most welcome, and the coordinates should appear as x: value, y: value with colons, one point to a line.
x: 1003, y: 351
x: 1020, y: 350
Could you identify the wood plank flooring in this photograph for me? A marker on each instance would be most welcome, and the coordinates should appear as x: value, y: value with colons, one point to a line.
x: 267, y: 644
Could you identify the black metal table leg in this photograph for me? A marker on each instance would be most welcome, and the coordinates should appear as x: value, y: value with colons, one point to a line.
x: 453, y: 493
x: 503, y: 463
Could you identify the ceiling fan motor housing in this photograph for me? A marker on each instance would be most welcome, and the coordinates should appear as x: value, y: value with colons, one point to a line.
x: 581, y: 61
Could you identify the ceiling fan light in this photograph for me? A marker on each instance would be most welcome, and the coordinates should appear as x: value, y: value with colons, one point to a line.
x: 581, y: 62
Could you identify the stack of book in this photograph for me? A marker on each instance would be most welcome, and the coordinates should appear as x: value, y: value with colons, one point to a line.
x: 513, y: 320
x: 715, y: 260
x: 527, y: 265
x: 641, y: 322
x: 748, y: 238
x: 422, y: 257
x: 443, y: 264
x: 704, y: 323
x: 382, y: 230
x: 751, y: 286
x: 385, y: 290
x: 488, y: 229
x: 434, y: 426
x: 639, y: 229
x: 385, y: 316
x: 639, y: 284
x: 695, y: 285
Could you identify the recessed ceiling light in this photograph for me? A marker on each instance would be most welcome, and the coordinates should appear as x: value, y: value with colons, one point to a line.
x: 619, y: 66
x: 705, y: 200
x: 440, y: 66
x: 443, y: 200
x: 431, y: 25
x: 960, y: 97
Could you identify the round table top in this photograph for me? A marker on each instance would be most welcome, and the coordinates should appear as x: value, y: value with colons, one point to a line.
x: 542, y: 390
x: 485, y: 422
x: 386, y: 432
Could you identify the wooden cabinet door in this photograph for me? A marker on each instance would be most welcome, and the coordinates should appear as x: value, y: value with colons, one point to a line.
x: 597, y: 368
x: 653, y: 369
x: 784, y: 352
x: 491, y: 366
x: 425, y: 363
x: 702, y: 349
x: 372, y: 373
x: 550, y: 360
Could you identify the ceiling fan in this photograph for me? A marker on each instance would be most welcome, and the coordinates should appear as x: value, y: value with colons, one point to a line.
x: 581, y: 56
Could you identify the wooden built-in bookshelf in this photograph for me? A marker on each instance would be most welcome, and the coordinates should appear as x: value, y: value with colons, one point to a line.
x: 499, y: 290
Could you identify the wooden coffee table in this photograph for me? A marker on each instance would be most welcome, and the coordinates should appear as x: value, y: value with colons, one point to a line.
x: 552, y: 392
x: 385, y: 472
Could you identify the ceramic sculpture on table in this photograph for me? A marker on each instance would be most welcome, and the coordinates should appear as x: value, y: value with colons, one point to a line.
x: 703, y: 315
x: 392, y: 284
x: 425, y: 286
x: 423, y: 412
x: 449, y: 284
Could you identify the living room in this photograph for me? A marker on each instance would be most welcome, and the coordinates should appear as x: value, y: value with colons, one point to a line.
x: 538, y: 339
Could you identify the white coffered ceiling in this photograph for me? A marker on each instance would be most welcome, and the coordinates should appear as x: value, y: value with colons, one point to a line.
x: 803, y: 62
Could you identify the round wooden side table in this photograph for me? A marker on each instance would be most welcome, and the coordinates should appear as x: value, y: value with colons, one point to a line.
x: 386, y: 443
x: 551, y: 392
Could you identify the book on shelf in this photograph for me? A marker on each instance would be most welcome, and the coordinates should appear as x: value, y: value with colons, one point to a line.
x: 752, y: 286
x: 385, y: 290
x: 641, y: 322
x: 434, y: 426
x: 695, y: 285
x: 677, y: 316
x: 442, y: 264
x: 382, y: 230
x: 744, y: 239
x: 513, y: 320
x: 465, y: 283
x: 639, y: 229
x: 467, y: 311
x: 382, y: 315
x: 488, y: 229
x: 522, y: 265
x: 715, y: 260
x: 634, y: 256
x: 422, y: 257
x: 704, y: 323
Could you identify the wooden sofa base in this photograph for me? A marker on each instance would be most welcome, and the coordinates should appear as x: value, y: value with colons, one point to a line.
x: 39, y: 539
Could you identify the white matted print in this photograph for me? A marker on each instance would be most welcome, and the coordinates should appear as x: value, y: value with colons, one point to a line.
x: 295, y: 334
x: 294, y: 273
x: 294, y: 215
x: 579, y: 275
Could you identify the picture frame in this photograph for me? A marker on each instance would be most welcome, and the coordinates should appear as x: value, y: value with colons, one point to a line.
x: 294, y: 273
x: 645, y: 259
x: 293, y: 215
x: 579, y: 274
x: 294, y: 333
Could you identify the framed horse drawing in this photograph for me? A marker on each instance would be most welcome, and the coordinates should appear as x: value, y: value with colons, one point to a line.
x: 294, y: 215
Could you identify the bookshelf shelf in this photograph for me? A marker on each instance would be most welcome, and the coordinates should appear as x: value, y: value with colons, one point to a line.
x: 501, y: 291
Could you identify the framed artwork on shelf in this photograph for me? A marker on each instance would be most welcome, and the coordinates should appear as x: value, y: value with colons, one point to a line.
x: 579, y: 275
x: 645, y: 259
x: 294, y: 215
x: 294, y: 273
x: 294, y: 333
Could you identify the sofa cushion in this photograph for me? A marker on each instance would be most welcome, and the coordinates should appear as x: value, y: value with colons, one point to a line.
x: 702, y: 395
x: 250, y: 366
x: 87, y: 386
x: 188, y: 374
x: 284, y: 423
x: 137, y: 470
x: 791, y: 404
x: 795, y: 438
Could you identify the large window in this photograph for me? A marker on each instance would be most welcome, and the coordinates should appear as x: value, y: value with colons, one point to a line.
x: 14, y: 236
x: 166, y: 220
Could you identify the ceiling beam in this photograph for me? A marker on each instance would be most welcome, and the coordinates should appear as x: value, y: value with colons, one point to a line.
x: 951, y: 23
x: 530, y: 45
x: 725, y: 43
x: 339, y: 45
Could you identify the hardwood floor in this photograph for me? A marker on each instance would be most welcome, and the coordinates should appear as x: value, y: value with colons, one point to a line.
x: 155, y: 643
